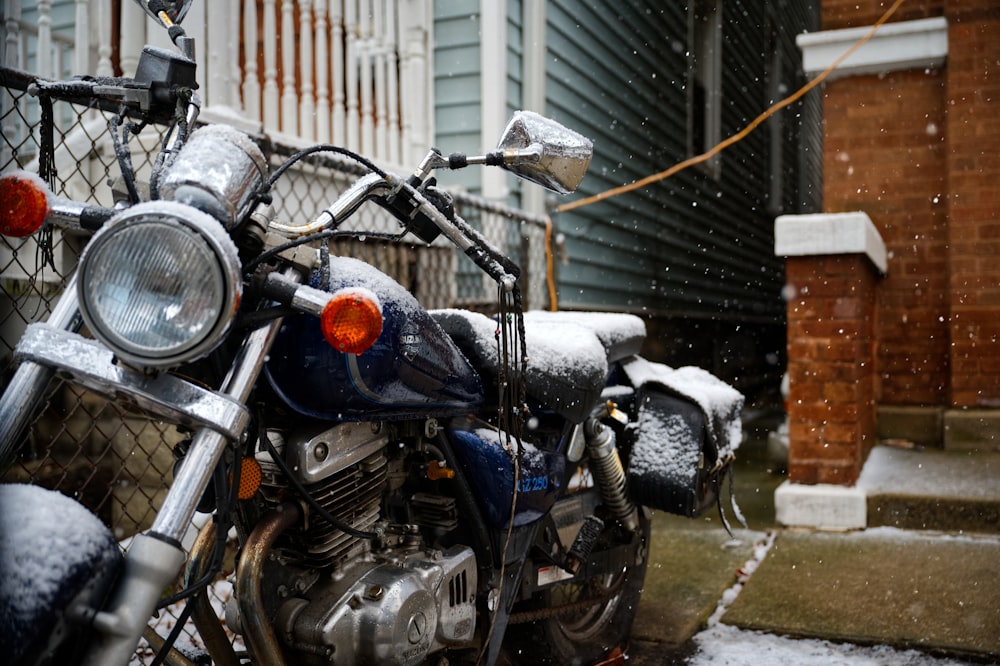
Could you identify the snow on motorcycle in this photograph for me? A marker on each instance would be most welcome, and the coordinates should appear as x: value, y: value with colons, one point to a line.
x: 405, y: 486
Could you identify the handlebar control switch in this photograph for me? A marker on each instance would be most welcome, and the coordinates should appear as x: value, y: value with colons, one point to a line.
x: 160, y: 66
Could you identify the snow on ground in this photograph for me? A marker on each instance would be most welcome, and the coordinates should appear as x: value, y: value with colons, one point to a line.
x: 723, y: 645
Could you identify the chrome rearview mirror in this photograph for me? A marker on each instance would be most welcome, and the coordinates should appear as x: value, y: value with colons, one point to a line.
x: 533, y: 147
x: 175, y: 11
x: 544, y: 152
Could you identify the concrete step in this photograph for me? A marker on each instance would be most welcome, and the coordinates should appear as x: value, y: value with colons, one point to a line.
x: 932, y: 489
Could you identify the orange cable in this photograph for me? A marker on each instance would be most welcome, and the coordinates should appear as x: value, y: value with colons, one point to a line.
x: 550, y: 271
x: 680, y: 166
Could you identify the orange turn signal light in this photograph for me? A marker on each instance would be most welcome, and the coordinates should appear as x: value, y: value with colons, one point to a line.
x: 351, y: 321
x: 24, y: 204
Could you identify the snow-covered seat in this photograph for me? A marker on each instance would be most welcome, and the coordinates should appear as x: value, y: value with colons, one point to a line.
x: 620, y: 334
x: 568, y: 352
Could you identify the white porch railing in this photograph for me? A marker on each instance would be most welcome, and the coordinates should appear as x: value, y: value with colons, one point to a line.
x: 352, y: 72
x: 356, y: 73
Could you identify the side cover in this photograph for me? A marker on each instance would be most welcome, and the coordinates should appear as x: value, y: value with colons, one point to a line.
x: 672, y: 462
x: 414, y: 369
x: 481, y: 451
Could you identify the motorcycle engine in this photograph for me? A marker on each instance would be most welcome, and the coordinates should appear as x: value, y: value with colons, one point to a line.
x: 338, y: 598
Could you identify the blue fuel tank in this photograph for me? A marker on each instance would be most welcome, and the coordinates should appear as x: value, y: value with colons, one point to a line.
x: 413, y: 370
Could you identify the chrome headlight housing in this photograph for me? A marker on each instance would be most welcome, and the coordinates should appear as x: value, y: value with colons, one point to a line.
x: 159, y: 284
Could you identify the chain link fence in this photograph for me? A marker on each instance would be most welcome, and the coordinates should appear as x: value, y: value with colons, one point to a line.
x: 119, y: 463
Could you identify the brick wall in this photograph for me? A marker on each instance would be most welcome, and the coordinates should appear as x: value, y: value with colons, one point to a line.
x: 973, y: 159
x: 919, y: 151
x: 836, y: 14
x: 831, y: 328
x: 885, y: 153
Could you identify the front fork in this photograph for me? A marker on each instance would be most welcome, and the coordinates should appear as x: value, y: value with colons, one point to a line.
x: 155, y: 557
x: 23, y: 396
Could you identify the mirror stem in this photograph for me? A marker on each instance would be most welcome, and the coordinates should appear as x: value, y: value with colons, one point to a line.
x: 185, y: 44
x: 176, y: 32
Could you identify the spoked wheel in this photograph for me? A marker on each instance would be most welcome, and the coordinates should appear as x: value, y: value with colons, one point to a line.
x: 582, y: 621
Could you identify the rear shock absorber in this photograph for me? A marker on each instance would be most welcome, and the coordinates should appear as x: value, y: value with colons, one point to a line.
x: 606, y: 467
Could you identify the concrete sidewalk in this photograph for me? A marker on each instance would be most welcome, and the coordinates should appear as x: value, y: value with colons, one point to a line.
x: 936, y: 590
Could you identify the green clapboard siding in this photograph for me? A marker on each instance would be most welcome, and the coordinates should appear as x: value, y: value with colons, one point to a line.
x: 696, y: 245
x: 691, y: 246
x: 457, y: 114
x: 458, y: 78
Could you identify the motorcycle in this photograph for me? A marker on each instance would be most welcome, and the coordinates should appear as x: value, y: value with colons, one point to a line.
x: 405, y: 486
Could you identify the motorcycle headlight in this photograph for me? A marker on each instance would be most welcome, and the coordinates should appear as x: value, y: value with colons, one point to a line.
x: 159, y: 284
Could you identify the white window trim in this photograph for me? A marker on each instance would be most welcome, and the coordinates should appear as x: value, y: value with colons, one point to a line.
x: 919, y: 44
x: 493, y: 89
x: 707, y: 47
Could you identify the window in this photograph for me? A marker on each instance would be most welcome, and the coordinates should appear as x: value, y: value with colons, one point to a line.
x: 776, y: 90
x: 705, y: 80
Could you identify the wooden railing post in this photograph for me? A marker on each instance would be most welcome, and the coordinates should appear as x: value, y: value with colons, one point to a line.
x: 251, y: 86
x: 307, y: 105
x: 271, y: 121
x: 322, y: 72
x: 44, y: 55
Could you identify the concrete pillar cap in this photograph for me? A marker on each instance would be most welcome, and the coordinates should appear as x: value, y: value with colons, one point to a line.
x: 830, y: 233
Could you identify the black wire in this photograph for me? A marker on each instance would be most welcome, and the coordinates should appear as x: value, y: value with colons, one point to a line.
x: 166, y: 157
x: 158, y: 165
x: 522, y: 394
x: 226, y: 496
x: 304, y: 494
x: 512, y: 359
x: 249, y: 266
x: 324, y: 148
x: 512, y: 354
x: 123, y: 155
x: 324, y: 264
x: 222, y: 518
x: 168, y: 642
x: 44, y: 249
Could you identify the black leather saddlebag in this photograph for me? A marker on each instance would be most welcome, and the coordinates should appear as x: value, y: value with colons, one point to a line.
x: 674, y: 466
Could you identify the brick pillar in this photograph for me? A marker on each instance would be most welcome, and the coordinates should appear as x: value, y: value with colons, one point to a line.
x: 832, y: 272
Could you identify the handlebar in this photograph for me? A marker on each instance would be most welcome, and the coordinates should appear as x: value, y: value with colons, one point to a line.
x: 346, y: 204
x: 411, y: 207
